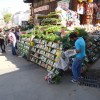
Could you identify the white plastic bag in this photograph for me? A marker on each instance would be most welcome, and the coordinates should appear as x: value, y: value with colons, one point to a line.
x: 63, y: 62
x: 70, y: 52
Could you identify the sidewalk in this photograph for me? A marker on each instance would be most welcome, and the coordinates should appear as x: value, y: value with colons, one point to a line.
x: 23, y: 80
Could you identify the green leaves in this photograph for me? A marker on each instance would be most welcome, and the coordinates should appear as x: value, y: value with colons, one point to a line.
x: 28, y: 35
x: 7, y: 17
x: 81, y: 32
x: 53, y: 29
x: 51, y: 37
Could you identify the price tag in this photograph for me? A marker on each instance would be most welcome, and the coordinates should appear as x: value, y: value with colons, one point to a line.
x: 31, y: 43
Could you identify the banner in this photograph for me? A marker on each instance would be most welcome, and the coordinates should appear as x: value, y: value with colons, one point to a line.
x: 89, y: 9
x: 80, y: 8
x: 67, y: 16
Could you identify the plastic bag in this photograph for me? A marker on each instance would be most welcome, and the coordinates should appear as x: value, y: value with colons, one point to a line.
x: 63, y: 62
x: 70, y: 52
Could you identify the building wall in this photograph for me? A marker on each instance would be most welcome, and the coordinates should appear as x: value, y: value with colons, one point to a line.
x: 43, y: 7
x: 20, y: 16
x: 38, y: 5
x: 46, y: 6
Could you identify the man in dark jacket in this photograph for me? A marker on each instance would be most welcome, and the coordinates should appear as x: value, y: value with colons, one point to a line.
x: 2, y: 42
x: 17, y: 34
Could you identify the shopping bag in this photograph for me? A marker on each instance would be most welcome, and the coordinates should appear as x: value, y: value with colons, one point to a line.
x: 63, y: 63
x: 70, y: 53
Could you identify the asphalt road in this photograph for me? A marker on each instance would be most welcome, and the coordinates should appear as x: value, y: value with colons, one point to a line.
x: 23, y: 80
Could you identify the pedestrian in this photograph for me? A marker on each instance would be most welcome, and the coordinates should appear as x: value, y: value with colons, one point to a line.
x: 17, y: 34
x: 80, y: 49
x: 12, y: 39
x: 2, y: 41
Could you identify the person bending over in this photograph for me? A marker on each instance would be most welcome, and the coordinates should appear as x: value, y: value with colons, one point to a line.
x: 80, y: 49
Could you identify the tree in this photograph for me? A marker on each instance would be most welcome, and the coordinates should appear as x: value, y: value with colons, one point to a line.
x: 7, y: 17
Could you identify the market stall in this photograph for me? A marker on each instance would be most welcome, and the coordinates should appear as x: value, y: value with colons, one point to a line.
x: 51, y: 41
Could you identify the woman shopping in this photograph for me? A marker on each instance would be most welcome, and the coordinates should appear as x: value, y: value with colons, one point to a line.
x: 12, y: 39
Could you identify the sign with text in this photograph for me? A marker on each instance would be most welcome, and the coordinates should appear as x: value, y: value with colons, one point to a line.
x: 42, y: 8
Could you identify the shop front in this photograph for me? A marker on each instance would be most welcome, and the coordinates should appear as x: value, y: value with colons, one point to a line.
x: 49, y: 45
x: 44, y: 7
x: 88, y: 10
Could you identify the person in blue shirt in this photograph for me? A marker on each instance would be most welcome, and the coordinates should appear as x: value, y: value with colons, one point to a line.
x: 80, y: 49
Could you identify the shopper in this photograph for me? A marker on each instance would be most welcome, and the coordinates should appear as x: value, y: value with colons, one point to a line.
x: 79, y: 57
x: 12, y: 39
x: 17, y: 34
x: 2, y: 41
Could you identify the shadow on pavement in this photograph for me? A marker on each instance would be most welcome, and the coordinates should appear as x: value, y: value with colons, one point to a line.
x: 23, y: 80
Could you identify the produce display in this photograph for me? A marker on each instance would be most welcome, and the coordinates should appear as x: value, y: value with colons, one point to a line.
x: 45, y: 53
x: 93, y: 49
x: 96, y: 32
x: 48, y: 33
x: 24, y: 45
x: 50, y: 19
x: 52, y: 33
x: 91, y: 29
x: 49, y: 42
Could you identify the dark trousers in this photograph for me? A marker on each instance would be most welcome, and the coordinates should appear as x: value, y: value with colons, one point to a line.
x: 76, y: 67
x: 2, y: 45
x: 13, y: 49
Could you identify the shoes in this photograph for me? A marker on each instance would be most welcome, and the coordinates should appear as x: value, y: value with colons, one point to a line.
x: 74, y: 81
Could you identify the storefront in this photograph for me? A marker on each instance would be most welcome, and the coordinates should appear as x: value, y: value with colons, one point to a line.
x: 88, y: 10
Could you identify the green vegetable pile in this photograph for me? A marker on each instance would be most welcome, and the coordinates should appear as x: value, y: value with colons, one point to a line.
x: 28, y: 35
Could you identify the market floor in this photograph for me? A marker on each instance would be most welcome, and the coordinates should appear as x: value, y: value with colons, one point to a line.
x: 23, y: 80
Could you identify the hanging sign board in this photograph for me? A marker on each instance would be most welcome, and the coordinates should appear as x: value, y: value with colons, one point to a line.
x: 42, y: 8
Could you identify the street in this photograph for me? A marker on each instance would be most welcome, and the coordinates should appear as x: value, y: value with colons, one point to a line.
x: 23, y: 80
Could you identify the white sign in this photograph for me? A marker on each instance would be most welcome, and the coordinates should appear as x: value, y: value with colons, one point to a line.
x: 80, y: 8
x: 46, y: 7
